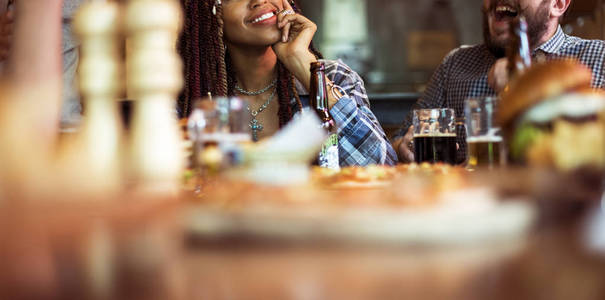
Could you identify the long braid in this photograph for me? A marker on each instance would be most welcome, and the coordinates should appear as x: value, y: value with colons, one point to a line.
x: 206, y: 48
x: 230, y: 76
x: 184, y: 47
x: 195, y: 67
x: 222, y: 88
x: 213, y: 48
x: 284, y: 112
x: 194, y: 86
x: 294, y: 92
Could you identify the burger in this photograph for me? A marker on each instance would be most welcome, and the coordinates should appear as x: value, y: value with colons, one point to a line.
x: 552, y: 118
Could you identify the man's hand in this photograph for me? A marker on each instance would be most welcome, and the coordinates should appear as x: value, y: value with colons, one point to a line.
x: 497, y: 77
x: 402, y: 147
x: 6, y: 34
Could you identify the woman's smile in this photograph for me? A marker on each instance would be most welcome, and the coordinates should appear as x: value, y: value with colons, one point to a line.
x: 251, y: 22
x: 265, y: 17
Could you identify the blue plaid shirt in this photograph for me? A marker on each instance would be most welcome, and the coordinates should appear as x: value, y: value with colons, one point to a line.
x: 463, y: 75
x: 361, y: 139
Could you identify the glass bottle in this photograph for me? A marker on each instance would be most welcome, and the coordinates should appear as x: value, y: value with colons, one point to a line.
x: 328, y: 156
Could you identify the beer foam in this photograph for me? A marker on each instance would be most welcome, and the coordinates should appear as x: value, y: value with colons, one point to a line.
x: 484, y: 139
x: 438, y: 134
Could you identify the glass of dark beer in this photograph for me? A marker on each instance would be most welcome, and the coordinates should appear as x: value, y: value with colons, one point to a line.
x: 483, y: 138
x: 435, y: 135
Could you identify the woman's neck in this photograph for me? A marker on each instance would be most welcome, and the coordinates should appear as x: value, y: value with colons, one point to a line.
x: 255, y: 68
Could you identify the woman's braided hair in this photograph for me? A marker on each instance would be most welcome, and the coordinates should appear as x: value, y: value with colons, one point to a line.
x: 206, y: 61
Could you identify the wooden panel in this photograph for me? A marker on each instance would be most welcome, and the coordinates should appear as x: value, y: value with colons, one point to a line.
x: 583, y: 6
x: 426, y: 49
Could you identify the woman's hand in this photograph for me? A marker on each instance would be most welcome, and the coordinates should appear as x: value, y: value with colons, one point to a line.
x: 293, y: 48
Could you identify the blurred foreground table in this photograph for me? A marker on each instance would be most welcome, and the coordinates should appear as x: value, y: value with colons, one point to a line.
x: 555, y: 262
x: 134, y: 251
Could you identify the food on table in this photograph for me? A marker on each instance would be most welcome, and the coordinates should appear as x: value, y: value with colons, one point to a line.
x: 426, y: 204
x: 552, y: 118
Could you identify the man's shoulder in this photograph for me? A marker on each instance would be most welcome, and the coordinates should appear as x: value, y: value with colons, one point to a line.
x: 577, y: 44
x: 467, y: 59
x: 572, y: 39
x: 589, y: 52
x: 466, y: 56
x: 466, y: 52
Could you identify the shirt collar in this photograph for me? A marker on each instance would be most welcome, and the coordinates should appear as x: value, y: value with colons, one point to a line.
x: 553, y: 46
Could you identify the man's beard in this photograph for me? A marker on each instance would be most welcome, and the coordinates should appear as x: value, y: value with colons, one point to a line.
x: 536, y: 27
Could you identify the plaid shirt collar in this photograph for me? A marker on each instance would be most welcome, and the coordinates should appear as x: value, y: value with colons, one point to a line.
x: 555, y: 43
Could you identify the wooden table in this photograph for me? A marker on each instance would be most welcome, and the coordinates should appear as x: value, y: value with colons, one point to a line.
x: 552, y: 263
x: 139, y: 253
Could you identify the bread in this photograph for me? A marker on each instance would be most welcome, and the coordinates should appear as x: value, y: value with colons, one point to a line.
x: 552, y: 118
x: 541, y: 82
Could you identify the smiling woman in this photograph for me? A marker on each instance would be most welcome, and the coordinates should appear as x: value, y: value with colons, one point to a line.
x: 261, y: 51
x: 211, y: 28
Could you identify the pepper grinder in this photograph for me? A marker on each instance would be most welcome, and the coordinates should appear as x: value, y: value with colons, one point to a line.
x: 154, y: 78
x: 92, y: 157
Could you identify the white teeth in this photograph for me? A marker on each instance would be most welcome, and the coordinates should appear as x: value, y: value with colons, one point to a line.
x: 509, y: 9
x: 263, y: 17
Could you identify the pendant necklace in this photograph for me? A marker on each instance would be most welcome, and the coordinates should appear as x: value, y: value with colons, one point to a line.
x: 255, y: 125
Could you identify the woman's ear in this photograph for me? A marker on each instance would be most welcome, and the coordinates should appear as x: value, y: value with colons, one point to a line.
x: 559, y: 7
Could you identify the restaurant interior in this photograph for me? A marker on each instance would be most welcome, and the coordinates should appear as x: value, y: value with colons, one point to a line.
x: 395, y: 45
x: 130, y: 201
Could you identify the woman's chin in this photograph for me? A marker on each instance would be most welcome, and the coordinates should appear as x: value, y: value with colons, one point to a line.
x: 273, y: 39
x: 270, y: 42
x: 260, y: 40
x: 269, y: 36
x: 264, y: 43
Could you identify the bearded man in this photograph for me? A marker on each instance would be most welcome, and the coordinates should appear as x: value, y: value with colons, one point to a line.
x: 481, y: 70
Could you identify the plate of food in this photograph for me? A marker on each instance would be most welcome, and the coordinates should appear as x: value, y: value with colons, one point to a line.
x: 411, y: 204
x: 374, y: 176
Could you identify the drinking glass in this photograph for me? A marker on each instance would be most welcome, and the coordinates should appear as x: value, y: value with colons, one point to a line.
x: 435, y: 135
x: 218, y: 129
x: 219, y: 121
x: 239, y: 121
x: 203, y: 123
x: 239, y: 131
x: 483, y: 137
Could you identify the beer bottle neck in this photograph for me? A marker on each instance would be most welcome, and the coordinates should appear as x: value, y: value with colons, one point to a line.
x: 320, y: 96
x: 519, y: 56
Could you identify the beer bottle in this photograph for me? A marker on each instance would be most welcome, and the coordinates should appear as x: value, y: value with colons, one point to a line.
x: 519, y: 53
x: 328, y: 156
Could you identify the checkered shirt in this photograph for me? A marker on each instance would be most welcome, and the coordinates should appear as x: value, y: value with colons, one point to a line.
x: 361, y: 139
x: 463, y: 75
